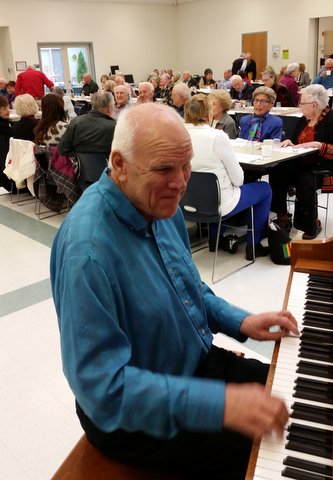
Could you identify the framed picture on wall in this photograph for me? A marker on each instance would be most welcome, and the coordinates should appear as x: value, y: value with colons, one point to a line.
x: 20, y: 66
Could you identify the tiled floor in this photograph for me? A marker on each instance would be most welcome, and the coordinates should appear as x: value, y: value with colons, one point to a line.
x: 37, y: 418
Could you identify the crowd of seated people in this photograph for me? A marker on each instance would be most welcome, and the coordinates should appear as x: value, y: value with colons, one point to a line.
x: 213, y: 153
x: 93, y: 131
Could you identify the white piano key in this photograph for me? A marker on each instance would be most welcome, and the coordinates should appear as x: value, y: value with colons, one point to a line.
x: 272, y: 451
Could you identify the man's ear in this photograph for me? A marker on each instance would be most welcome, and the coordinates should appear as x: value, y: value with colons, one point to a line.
x: 118, y: 166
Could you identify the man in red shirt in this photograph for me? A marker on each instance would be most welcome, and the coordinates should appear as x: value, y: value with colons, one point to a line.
x: 32, y: 81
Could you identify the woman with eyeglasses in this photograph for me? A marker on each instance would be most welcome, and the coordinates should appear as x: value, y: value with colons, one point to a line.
x: 261, y: 125
x: 314, y: 129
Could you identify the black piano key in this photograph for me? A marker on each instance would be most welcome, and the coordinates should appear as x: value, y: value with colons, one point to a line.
x: 322, y: 316
x: 317, y: 450
x: 311, y: 334
x: 318, y: 307
x: 313, y: 384
x: 289, y: 472
x: 326, y: 323
x: 310, y: 435
x: 319, y: 294
x: 316, y: 354
x: 312, y: 395
x: 314, y: 369
x: 321, y: 279
x: 312, y: 413
x: 308, y: 466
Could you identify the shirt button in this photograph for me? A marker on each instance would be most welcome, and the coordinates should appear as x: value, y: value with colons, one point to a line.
x: 203, y: 331
x: 186, y: 302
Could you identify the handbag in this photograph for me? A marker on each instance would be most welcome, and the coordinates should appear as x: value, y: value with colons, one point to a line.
x: 279, y: 244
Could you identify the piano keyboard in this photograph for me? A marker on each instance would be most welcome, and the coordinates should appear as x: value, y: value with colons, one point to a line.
x: 304, y: 378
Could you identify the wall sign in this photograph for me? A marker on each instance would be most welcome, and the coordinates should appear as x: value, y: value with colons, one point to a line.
x: 20, y: 66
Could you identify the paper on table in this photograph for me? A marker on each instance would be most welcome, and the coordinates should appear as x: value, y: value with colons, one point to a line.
x: 247, y: 157
x: 291, y: 149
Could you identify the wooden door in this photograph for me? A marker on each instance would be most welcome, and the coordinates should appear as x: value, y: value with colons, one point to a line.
x: 256, y: 43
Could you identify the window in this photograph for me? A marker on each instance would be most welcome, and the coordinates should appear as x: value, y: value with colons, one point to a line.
x: 64, y: 63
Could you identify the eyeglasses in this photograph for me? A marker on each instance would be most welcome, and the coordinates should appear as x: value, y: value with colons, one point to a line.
x: 305, y: 103
x: 257, y: 100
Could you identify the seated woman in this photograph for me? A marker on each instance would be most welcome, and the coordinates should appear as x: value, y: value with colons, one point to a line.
x: 213, y: 153
x: 221, y: 102
x: 104, y: 78
x: 207, y: 79
x: 53, y: 123
x: 5, y: 134
x: 25, y: 106
x: 283, y: 96
x: 261, y: 125
x: 314, y: 129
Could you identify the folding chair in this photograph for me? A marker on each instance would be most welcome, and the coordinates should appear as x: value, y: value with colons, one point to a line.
x: 20, y: 168
x: 201, y: 204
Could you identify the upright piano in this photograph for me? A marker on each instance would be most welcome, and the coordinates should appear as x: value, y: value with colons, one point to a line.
x: 301, y: 373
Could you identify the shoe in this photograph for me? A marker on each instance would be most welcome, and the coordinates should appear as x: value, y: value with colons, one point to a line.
x: 259, y: 250
x: 284, y: 221
x: 309, y: 236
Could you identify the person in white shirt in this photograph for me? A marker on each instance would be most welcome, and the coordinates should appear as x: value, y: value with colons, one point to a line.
x: 213, y: 153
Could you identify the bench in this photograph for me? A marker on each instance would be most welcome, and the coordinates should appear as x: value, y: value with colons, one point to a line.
x: 85, y: 462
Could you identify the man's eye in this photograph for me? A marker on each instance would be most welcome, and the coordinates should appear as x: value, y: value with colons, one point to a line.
x: 162, y: 169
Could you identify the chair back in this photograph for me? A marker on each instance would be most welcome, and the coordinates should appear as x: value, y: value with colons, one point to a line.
x: 20, y: 163
x: 91, y: 166
x: 201, y: 200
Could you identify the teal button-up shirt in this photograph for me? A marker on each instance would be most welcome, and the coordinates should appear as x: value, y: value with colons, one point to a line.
x: 135, y: 318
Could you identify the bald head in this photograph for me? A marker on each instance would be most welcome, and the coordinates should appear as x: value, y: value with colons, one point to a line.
x: 150, y: 158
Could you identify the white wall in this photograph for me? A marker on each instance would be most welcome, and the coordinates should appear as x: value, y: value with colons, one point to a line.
x: 213, y: 32
x: 139, y: 38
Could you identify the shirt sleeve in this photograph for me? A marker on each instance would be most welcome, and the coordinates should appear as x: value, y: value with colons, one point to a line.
x: 222, y: 148
x: 97, y: 354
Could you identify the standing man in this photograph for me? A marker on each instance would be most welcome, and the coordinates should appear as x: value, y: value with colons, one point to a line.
x: 32, y: 81
x: 251, y: 66
x: 239, y: 64
x: 136, y: 320
x: 89, y: 86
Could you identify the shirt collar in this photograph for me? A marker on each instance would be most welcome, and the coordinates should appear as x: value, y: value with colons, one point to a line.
x: 122, y: 207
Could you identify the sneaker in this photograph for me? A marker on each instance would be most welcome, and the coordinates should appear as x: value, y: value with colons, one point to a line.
x: 259, y: 250
x: 309, y: 236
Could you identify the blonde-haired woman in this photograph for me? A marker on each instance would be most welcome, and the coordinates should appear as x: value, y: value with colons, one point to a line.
x: 213, y: 152
x: 221, y: 102
x: 26, y: 107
